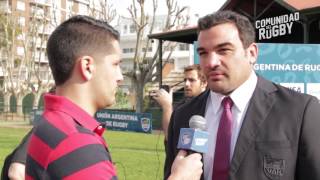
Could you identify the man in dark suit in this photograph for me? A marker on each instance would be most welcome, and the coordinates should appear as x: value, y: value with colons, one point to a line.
x: 273, y: 132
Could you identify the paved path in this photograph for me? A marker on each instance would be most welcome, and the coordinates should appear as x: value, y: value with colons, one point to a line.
x: 15, y: 124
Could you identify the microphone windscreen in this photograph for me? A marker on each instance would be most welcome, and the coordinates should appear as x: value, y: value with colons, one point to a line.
x: 198, y: 122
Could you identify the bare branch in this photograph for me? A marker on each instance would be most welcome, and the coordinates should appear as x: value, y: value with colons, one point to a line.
x: 145, y: 62
x: 103, y: 10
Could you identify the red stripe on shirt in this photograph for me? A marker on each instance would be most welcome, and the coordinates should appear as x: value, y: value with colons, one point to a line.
x: 61, y: 121
x: 38, y: 150
x: 28, y: 177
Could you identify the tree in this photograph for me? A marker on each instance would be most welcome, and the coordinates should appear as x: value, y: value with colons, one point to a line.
x: 38, y: 29
x: 40, y: 24
x: 145, y: 68
x: 103, y: 10
x: 12, y: 66
x: 28, y: 71
x: 122, y: 101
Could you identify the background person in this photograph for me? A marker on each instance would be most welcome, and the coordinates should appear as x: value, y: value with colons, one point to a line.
x: 194, y: 84
x: 257, y: 129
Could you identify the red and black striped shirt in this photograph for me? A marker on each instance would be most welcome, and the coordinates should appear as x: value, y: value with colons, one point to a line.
x: 67, y: 144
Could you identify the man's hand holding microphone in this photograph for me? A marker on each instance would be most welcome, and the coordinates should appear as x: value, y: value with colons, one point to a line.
x: 186, y: 167
x: 192, y: 141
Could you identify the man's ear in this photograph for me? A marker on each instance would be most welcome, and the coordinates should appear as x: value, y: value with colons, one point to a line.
x: 204, y: 84
x: 86, y: 67
x: 252, y: 53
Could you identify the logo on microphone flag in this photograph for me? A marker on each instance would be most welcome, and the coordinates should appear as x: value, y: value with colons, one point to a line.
x: 186, y: 138
x: 193, y: 139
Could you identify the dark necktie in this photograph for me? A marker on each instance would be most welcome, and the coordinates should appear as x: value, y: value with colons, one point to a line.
x: 222, y: 151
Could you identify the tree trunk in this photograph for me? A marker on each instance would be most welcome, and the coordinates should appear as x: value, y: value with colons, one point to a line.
x: 35, y: 104
x: 139, y: 96
x: 19, y: 104
x: 6, y: 102
x: 37, y: 95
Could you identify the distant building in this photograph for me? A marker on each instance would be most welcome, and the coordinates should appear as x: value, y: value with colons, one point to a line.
x: 47, y: 14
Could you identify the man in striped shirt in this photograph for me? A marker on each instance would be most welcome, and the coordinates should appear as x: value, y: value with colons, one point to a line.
x: 84, y: 57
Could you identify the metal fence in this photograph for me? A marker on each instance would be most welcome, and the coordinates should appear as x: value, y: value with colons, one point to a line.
x: 9, y: 113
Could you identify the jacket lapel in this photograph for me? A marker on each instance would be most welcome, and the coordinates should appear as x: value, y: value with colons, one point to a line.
x: 258, y: 109
x: 198, y: 107
x: 198, y: 104
x: 203, y: 103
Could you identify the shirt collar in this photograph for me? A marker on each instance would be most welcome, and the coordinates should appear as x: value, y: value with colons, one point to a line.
x: 240, y: 96
x: 60, y: 103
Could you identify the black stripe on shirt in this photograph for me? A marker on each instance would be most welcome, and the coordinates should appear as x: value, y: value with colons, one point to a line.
x: 87, y: 131
x: 34, y: 169
x: 51, y: 135
x: 84, y: 130
x: 79, y: 159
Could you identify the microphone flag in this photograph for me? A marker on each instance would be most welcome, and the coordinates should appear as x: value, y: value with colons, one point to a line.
x: 193, y: 139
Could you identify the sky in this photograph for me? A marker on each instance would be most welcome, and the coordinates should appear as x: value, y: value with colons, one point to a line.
x: 199, y: 7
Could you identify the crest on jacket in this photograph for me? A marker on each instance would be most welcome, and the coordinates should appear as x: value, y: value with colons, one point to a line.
x: 273, y: 168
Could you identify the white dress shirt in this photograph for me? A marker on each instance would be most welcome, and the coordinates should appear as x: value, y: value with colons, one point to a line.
x: 240, y: 97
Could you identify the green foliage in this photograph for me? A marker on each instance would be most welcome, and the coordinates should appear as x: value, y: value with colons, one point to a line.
x: 9, y: 24
x: 27, y: 103
x: 13, y: 103
x: 41, y: 102
x: 137, y: 155
x: 122, y: 101
x: 17, y: 62
x: 156, y: 117
x: 1, y: 102
x: 147, y: 99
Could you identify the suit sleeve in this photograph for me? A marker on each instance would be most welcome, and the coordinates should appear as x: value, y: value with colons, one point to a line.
x: 308, y: 164
x: 169, y: 148
x: 20, y: 154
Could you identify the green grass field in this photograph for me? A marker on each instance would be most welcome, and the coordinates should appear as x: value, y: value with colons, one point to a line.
x: 137, y: 155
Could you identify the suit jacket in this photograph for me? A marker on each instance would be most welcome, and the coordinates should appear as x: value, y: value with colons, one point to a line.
x: 19, y: 154
x: 279, y: 137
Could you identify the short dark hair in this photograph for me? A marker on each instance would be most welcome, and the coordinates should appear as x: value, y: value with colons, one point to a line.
x: 196, y: 67
x: 244, y: 26
x: 78, y: 36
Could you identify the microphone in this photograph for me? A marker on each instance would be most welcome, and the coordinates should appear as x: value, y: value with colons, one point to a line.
x: 194, y: 138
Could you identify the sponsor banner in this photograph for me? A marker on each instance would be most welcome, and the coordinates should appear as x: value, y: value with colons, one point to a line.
x: 125, y: 121
x: 115, y: 120
x: 295, y: 66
